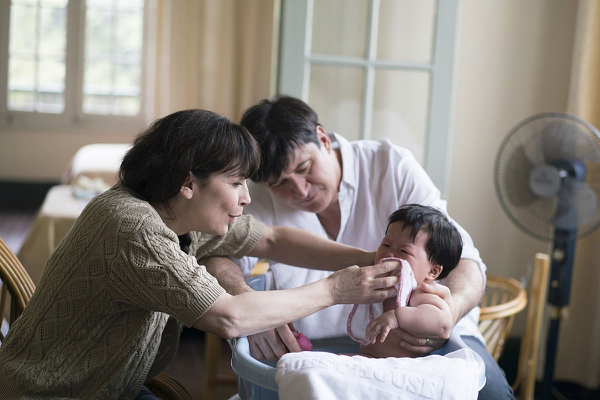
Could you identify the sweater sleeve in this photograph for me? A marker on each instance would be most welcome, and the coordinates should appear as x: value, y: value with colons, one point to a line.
x: 153, y: 273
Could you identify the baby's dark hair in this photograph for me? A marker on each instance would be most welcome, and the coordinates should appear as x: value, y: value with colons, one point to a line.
x: 444, y: 243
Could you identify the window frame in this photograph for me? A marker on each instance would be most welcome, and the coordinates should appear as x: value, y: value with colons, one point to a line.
x: 73, y: 115
x: 296, y: 59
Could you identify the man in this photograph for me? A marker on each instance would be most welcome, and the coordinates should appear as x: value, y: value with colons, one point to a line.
x: 318, y: 181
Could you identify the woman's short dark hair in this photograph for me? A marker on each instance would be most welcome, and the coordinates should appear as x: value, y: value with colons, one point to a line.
x: 444, y: 243
x: 280, y: 126
x: 196, y: 141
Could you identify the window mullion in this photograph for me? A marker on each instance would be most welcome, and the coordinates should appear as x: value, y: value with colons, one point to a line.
x: 369, y: 83
x: 36, y: 57
x: 294, y: 66
x: 4, y: 44
x: 74, y: 61
x: 148, y: 54
x: 113, y: 58
x: 438, y: 147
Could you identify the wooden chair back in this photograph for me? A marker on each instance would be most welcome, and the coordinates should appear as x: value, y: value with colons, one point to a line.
x: 503, y: 299
x: 524, y: 385
x: 17, y: 287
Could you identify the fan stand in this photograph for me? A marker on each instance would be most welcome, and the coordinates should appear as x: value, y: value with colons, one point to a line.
x: 563, y: 254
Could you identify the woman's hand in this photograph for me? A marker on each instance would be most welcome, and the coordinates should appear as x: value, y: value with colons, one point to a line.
x: 354, y: 285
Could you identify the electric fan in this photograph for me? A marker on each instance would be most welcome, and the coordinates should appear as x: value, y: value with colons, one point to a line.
x: 547, y: 177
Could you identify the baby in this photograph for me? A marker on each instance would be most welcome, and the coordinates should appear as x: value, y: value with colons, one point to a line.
x: 429, y: 246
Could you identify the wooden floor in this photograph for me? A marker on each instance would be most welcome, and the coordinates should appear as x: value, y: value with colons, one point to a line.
x: 188, y: 365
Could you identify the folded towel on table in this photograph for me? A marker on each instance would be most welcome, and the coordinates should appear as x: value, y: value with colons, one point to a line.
x: 324, y: 376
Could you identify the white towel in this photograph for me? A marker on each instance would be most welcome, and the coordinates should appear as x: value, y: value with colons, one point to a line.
x: 323, y: 376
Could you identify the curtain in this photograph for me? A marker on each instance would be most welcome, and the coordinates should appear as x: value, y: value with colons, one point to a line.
x: 578, y: 356
x: 214, y: 54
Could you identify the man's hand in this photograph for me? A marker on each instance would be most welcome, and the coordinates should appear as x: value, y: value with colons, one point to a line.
x: 273, y: 344
x: 354, y: 285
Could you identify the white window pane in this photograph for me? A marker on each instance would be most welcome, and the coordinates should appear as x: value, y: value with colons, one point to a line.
x: 98, y: 38
x: 21, y: 73
x: 336, y: 94
x: 23, y: 22
x: 127, y: 105
x: 51, y: 74
x: 99, y: 4
x: 130, y: 5
x: 406, y: 30
x: 36, y: 77
x: 340, y: 27
x: 98, y: 77
x: 129, y: 30
x: 401, y: 109
x: 21, y: 2
x: 53, y: 31
x: 51, y: 101
x: 128, y: 76
x: 112, y: 74
x: 55, y: 3
x: 96, y: 104
x: 21, y: 100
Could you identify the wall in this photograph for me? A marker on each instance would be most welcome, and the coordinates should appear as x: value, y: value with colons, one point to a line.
x: 42, y: 156
x: 513, y: 62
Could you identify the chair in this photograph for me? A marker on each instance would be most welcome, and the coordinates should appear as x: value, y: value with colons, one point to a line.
x: 17, y: 289
x: 503, y: 299
x: 525, y: 380
x: 165, y: 387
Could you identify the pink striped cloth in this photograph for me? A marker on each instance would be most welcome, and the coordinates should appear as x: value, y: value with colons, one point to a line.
x: 406, y: 284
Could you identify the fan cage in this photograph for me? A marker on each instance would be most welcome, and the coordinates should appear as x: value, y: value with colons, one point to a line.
x: 535, y: 216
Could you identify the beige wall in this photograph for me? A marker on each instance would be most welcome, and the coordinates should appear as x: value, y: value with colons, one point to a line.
x: 42, y: 156
x: 513, y: 62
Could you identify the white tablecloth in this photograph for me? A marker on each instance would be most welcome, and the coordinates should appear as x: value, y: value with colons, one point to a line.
x: 52, y: 222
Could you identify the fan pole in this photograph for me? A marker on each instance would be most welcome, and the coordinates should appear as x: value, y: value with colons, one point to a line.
x: 558, y: 296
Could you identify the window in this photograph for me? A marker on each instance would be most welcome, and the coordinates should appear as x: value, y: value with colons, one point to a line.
x: 72, y: 62
x: 374, y: 69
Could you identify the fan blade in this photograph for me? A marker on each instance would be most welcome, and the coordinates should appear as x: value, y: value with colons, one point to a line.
x: 567, y: 139
x: 514, y: 177
x: 577, y: 204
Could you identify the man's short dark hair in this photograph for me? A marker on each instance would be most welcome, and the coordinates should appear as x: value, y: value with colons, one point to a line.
x: 444, y: 243
x: 279, y: 125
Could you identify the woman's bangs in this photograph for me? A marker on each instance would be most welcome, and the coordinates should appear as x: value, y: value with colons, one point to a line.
x: 244, y: 156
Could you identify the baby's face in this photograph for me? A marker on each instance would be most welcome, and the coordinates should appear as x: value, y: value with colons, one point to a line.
x: 397, y: 243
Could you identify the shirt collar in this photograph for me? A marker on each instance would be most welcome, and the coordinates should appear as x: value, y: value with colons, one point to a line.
x: 348, y: 164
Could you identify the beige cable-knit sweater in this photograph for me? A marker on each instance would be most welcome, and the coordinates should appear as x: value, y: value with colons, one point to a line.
x: 94, y: 324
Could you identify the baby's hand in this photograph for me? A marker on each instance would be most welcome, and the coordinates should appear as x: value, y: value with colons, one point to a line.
x: 381, y: 326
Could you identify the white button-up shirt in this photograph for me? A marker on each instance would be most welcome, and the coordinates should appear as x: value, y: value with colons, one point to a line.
x: 377, y: 178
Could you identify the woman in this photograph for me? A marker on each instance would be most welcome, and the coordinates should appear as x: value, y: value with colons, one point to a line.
x: 98, y: 319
